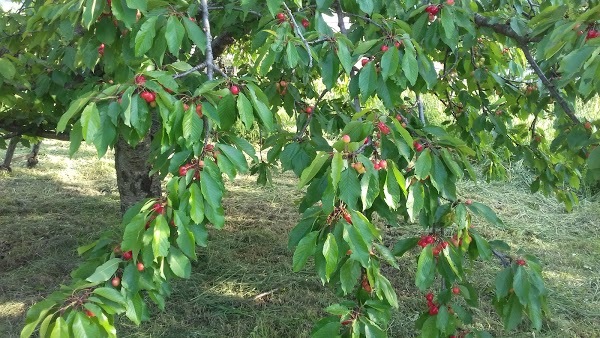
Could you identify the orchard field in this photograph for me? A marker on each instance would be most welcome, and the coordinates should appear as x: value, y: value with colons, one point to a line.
x: 242, y: 284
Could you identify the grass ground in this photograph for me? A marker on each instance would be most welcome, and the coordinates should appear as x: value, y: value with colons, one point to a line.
x: 46, y: 212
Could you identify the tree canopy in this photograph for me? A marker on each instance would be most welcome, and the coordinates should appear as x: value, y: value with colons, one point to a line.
x: 349, y: 75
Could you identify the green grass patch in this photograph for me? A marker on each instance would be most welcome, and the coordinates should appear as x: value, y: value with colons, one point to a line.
x: 242, y: 285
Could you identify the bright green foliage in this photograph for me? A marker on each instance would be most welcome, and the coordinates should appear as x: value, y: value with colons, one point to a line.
x: 501, y: 69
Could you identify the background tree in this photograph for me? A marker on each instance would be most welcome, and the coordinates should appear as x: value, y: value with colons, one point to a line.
x: 146, y: 77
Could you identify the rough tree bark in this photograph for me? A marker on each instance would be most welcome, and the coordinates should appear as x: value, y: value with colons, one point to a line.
x: 32, y: 158
x: 10, y: 151
x: 133, y: 180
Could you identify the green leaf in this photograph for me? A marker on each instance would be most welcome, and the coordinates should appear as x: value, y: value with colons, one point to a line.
x: 179, y: 263
x: 521, y: 285
x: 512, y: 313
x: 235, y: 156
x: 83, y: 327
x: 390, y: 62
x: 330, y: 252
x: 74, y: 108
x: 403, y: 245
x: 196, y: 204
x: 105, y: 271
x: 192, y: 126
x: 350, y: 189
x: 415, y: 200
x: 503, y: 283
x: 349, y: 274
x: 35, y: 315
x: 91, y: 12
x: 486, y: 212
x: 145, y: 36
x: 90, y: 122
x: 314, y: 168
x: 186, y: 242
x: 337, y: 165
x: 372, y: 330
x: 425, y: 269
x: 195, y: 34
x: 344, y: 56
x: 160, y: 238
x: 211, y: 190
x: 423, y: 165
x: 360, y: 249
x: 245, y: 110
x: 142, y: 5
x: 135, y: 308
x: 264, y: 113
x: 367, y: 80
x: 391, y: 189
x: 7, y: 69
x: 387, y: 255
x: 174, y: 34
x: 61, y: 329
x: 384, y: 285
x: 306, y: 248
x: 485, y: 252
x: 410, y: 66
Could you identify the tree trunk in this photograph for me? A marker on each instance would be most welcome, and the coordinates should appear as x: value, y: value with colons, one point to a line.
x: 132, y: 168
x: 10, y: 151
x: 32, y: 158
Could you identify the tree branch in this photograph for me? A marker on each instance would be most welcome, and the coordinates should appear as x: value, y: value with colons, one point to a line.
x: 551, y: 88
x: 522, y: 42
x: 340, y: 15
x: 297, y: 30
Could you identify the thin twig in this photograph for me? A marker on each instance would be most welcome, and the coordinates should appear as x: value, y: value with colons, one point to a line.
x: 209, y: 62
x: 502, y: 257
x: 191, y: 70
x: 299, y: 33
x: 264, y: 294
x: 239, y: 9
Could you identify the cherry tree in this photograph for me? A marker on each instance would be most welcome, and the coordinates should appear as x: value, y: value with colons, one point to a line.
x: 174, y: 87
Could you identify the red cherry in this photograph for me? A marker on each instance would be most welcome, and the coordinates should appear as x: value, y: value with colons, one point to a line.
x: 429, y: 297
x: 384, y: 48
x: 109, y: 2
x: 183, y: 170
x: 148, y: 96
x: 308, y: 109
x: 140, y: 80
x: 101, y: 49
x: 418, y: 146
x: 116, y: 282
x: 346, y: 138
x: 305, y: 23
x: 127, y: 255
x: 521, y: 262
x: 186, y: 107
x: 234, y: 89
x: 433, y: 310
x: 456, y: 290
x: 159, y: 208
x: 89, y: 313
x: 280, y: 17
x: 383, y: 164
x: 209, y: 147
x: 450, y: 2
x: 347, y: 218
x: 592, y: 34
x: 398, y: 44
x: 199, y: 109
x: 383, y: 128
x: 140, y: 266
x: 364, y: 61
x: 469, y: 201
